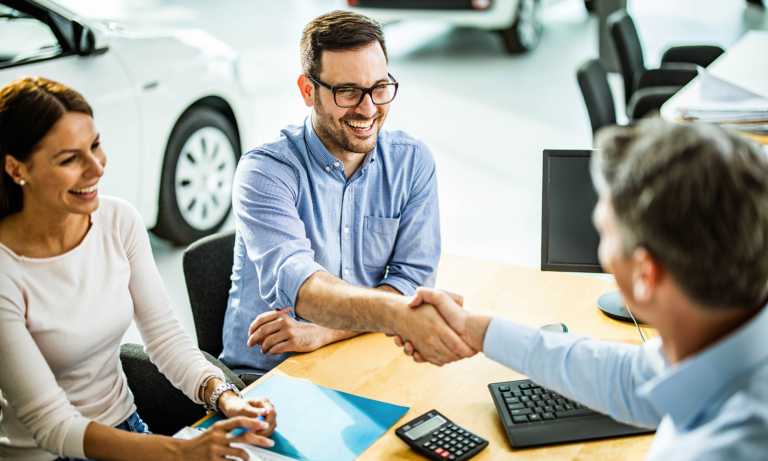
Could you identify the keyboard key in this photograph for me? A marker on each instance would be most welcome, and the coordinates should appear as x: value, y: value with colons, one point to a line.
x: 504, y: 388
x: 515, y: 406
x: 512, y: 400
x: 538, y: 391
x: 530, y: 404
x: 560, y: 401
x: 506, y: 394
x: 535, y: 417
x: 548, y: 416
x: 550, y: 402
x: 575, y: 413
x: 533, y: 385
x: 569, y: 408
x: 524, y: 386
x: 525, y: 398
x: 579, y: 406
x: 516, y: 393
x: 527, y: 392
x: 538, y: 410
x: 520, y: 419
x: 535, y: 398
x: 549, y: 409
x: 559, y: 408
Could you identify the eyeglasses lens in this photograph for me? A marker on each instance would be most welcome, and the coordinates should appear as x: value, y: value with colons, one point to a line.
x: 350, y: 97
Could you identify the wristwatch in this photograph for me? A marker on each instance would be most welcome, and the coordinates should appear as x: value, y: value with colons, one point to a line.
x: 220, y: 389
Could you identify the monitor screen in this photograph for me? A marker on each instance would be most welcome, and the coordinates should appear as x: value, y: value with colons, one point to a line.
x: 569, y: 239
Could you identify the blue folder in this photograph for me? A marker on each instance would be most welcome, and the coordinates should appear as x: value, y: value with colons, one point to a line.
x: 315, y: 423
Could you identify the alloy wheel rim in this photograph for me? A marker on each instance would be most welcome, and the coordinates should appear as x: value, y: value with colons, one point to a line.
x: 203, y: 182
x: 530, y: 23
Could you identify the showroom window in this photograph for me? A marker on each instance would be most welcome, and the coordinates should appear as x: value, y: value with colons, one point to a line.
x: 24, y: 39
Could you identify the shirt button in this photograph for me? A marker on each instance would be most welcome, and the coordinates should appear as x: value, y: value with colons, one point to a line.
x: 346, y: 230
x: 327, y: 168
x: 336, y: 164
x: 346, y: 271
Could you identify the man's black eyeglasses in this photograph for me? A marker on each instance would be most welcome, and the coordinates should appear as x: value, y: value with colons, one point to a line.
x: 350, y: 96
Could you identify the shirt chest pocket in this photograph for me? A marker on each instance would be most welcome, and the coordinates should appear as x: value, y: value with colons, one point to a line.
x: 379, y: 240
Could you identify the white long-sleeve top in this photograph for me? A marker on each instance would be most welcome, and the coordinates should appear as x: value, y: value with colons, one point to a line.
x: 61, y: 323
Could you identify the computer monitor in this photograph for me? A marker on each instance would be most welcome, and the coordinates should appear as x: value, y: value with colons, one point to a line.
x: 569, y: 239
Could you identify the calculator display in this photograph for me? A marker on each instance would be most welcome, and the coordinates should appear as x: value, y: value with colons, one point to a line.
x: 425, y: 428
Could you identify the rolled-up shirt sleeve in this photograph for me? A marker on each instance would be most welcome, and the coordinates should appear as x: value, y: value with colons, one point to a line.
x: 417, y: 250
x: 602, y: 375
x: 264, y: 200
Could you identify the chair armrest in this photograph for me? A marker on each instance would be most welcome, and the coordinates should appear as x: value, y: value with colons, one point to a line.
x: 664, y: 77
x: 646, y: 101
x: 701, y: 55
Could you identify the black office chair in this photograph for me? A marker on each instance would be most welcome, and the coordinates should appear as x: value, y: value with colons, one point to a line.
x: 207, y: 270
x: 678, y: 64
x: 164, y: 408
x: 593, y: 81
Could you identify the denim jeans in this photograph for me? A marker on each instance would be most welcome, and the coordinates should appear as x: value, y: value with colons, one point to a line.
x: 132, y: 424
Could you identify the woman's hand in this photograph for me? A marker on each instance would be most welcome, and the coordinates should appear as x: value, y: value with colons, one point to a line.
x: 214, y: 444
x: 232, y: 405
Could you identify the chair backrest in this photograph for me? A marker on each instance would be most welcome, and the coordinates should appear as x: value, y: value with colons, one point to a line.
x: 593, y: 81
x: 626, y: 42
x: 207, y: 271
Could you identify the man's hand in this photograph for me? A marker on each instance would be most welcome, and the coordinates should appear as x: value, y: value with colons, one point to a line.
x: 276, y: 332
x: 232, y: 405
x: 436, y: 341
x: 470, y: 328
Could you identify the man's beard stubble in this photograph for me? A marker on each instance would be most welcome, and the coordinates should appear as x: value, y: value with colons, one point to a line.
x: 327, y: 128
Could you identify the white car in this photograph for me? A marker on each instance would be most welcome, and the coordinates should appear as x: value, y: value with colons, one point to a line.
x: 518, y: 21
x: 170, y: 108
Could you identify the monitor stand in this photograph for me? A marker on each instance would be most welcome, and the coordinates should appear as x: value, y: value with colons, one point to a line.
x: 612, y: 304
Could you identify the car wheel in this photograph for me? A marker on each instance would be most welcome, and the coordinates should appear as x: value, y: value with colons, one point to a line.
x: 524, y: 34
x: 198, y: 170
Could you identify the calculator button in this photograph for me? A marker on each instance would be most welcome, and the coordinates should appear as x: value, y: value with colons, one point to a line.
x: 476, y: 439
x: 432, y: 447
x: 504, y: 388
x: 472, y: 445
x: 455, y: 427
x: 451, y: 457
x: 459, y: 453
x: 436, y: 432
x: 520, y: 419
x: 460, y: 439
x: 535, y: 417
x: 433, y: 440
x: 427, y: 443
x: 439, y: 450
x: 453, y: 442
x: 445, y: 454
x: 442, y: 429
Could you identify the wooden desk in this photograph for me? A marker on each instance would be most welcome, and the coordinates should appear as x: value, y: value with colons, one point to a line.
x: 371, y: 366
x: 744, y: 64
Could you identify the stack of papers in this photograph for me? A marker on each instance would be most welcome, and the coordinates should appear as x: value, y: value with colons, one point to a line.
x: 723, y: 102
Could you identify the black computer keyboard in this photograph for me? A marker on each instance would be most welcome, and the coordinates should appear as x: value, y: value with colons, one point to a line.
x: 533, y: 415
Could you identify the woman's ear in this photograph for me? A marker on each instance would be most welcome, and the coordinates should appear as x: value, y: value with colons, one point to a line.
x: 15, y: 169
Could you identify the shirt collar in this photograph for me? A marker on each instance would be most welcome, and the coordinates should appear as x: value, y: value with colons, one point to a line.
x: 320, y: 153
x: 684, y: 389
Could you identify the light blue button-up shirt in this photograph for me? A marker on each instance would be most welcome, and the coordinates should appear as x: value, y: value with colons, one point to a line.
x: 296, y: 214
x: 712, y: 406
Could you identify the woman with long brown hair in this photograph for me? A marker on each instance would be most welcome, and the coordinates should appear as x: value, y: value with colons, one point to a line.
x: 75, y: 269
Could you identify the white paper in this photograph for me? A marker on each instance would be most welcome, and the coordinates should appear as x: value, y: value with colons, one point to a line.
x: 255, y: 453
x: 717, y: 89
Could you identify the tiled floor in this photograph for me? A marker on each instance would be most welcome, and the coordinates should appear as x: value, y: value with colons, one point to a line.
x: 486, y: 115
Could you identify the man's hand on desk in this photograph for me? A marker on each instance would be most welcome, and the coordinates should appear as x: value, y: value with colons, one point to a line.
x: 231, y: 405
x: 276, y: 333
x: 469, y: 327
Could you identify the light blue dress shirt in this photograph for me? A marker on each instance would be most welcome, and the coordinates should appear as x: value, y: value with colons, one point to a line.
x: 296, y: 213
x: 712, y: 406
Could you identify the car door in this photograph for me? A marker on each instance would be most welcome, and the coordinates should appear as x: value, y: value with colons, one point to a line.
x: 36, y: 41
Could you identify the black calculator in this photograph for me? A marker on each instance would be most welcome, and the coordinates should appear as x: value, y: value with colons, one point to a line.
x: 436, y: 437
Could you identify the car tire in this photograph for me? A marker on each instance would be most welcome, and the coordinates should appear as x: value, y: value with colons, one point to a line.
x: 198, y: 170
x: 524, y: 34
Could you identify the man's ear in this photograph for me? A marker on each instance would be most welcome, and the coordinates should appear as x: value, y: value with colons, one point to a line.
x: 307, y: 88
x: 646, y: 275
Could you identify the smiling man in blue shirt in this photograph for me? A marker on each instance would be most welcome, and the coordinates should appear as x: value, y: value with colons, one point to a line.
x: 683, y: 221
x: 331, y: 206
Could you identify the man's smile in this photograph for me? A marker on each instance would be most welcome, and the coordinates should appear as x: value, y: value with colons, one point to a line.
x: 360, y: 127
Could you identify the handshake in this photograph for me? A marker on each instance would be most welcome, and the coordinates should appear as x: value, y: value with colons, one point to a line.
x: 434, y: 328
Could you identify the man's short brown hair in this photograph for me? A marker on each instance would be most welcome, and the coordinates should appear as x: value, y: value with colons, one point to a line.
x: 337, y: 31
x: 696, y: 197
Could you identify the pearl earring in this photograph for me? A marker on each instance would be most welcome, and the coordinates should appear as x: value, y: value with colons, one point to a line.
x: 22, y: 182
